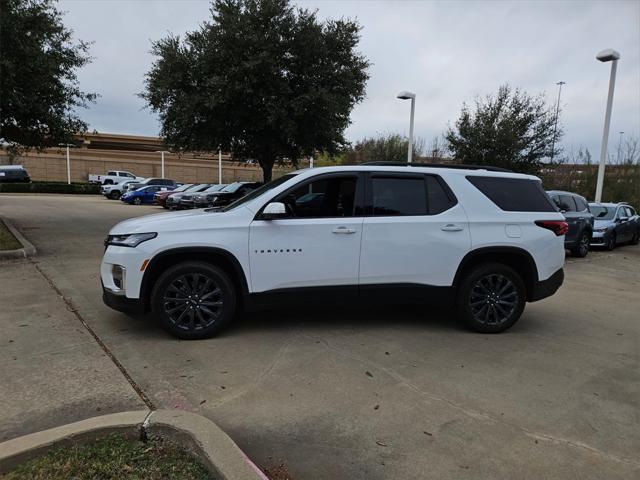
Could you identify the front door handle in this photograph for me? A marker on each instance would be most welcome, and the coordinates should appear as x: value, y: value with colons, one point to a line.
x: 451, y: 227
x: 343, y: 230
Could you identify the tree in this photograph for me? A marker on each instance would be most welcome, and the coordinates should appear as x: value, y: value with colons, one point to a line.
x: 390, y: 147
x: 39, y: 90
x: 511, y: 130
x: 261, y: 79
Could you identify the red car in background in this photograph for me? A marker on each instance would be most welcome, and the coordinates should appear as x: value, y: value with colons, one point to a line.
x: 160, y: 198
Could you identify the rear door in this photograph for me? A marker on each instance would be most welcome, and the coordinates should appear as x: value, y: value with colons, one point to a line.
x: 415, y: 232
x: 569, y: 209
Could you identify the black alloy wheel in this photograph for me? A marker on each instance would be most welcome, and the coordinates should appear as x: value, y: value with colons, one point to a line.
x: 611, y: 242
x: 491, y: 298
x: 194, y: 300
x: 582, y: 249
x: 137, y: 201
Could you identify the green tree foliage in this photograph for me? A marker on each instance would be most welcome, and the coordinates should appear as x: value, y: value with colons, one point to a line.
x: 39, y: 91
x: 262, y: 79
x: 390, y: 147
x: 511, y: 129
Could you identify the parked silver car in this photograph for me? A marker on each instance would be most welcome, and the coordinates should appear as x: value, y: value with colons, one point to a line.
x: 614, y: 224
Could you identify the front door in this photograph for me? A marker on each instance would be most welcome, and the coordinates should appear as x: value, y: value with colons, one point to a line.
x: 317, y: 245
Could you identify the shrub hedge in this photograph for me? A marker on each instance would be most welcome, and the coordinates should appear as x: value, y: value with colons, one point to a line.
x: 50, y: 187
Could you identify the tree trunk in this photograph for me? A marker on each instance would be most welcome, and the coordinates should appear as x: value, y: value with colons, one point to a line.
x: 267, y: 169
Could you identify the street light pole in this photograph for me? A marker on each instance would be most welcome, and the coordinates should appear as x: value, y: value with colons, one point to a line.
x: 219, y: 165
x: 412, y: 97
x: 555, y: 125
x: 68, y: 161
x: 161, y: 152
x: 612, y: 56
x: 619, y: 147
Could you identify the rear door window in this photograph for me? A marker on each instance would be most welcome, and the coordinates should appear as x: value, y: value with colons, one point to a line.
x: 399, y: 196
x: 514, y: 194
x: 581, y: 203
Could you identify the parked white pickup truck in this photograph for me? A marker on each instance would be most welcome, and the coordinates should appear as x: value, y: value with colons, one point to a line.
x: 113, y: 177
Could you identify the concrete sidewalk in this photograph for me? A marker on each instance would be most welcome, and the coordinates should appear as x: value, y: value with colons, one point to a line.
x: 52, y: 370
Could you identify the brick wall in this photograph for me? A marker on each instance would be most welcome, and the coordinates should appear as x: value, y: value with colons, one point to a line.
x: 51, y: 165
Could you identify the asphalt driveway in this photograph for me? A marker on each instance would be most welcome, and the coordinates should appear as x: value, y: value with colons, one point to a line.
x: 358, y: 394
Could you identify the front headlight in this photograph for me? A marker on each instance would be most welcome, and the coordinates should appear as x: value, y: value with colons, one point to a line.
x: 132, y: 240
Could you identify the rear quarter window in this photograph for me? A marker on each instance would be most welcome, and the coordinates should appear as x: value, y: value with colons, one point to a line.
x: 514, y: 194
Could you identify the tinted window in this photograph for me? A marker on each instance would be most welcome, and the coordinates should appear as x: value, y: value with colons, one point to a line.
x: 629, y: 211
x: 328, y: 197
x: 514, y: 194
x: 399, y: 196
x: 566, y: 203
x: 438, y: 200
x: 581, y: 204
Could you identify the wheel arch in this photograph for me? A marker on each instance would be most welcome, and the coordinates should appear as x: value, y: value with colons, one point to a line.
x: 216, y: 256
x: 517, y: 258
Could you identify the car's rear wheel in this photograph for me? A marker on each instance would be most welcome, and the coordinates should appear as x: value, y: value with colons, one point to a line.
x: 635, y: 239
x: 194, y: 300
x: 582, y: 248
x: 611, y: 242
x: 491, y: 298
x: 137, y: 201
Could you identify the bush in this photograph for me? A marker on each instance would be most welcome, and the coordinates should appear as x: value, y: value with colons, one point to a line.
x: 50, y: 187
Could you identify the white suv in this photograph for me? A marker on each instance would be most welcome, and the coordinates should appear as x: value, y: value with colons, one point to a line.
x: 483, y: 240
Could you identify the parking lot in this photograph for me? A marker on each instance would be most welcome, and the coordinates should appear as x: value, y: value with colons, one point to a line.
x: 353, y: 393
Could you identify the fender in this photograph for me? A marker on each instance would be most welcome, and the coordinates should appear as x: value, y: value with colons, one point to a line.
x: 229, y: 261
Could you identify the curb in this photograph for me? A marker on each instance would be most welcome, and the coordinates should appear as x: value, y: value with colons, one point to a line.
x: 27, y: 249
x: 197, y: 434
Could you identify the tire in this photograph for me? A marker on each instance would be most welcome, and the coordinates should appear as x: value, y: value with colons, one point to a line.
x: 115, y: 195
x: 481, y: 308
x: 137, y: 201
x: 200, y: 317
x: 611, y: 242
x: 582, y: 249
x: 635, y: 239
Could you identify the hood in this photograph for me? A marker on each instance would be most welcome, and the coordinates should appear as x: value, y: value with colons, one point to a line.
x: 177, y: 221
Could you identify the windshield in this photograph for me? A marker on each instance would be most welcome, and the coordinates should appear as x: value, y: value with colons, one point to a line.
x: 258, y: 191
x: 184, y: 187
x: 232, y: 187
x: 602, y: 213
x: 215, y: 188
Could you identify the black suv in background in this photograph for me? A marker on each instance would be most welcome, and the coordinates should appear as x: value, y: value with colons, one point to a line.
x: 13, y: 174
x: 576, y: 211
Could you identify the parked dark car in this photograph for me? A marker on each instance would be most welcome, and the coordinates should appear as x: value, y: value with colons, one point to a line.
x: 13, y: 174
x: 615, y: 223
x: 575, y: 209
x: 220, y: 198
x: 160, y: 198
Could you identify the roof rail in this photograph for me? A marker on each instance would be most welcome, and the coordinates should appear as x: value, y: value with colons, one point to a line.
x: 458, y: 166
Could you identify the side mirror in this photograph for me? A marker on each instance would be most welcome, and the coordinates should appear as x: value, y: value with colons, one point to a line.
x: 274, y: 210
x: 624, y: 219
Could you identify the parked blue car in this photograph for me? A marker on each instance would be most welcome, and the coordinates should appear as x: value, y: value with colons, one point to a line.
x: 143, y: 194
x: 615, y: 223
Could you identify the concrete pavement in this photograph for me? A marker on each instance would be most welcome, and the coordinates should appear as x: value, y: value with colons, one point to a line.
x: 365, y: 393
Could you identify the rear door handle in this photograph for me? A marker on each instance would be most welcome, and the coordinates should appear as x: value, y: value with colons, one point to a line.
x: 343, y: 230
x: 452, y: 227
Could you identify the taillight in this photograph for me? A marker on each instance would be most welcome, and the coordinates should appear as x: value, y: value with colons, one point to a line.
x: 559, y: 227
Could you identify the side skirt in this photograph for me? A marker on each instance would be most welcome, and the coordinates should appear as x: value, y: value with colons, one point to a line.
x: 374, y: 294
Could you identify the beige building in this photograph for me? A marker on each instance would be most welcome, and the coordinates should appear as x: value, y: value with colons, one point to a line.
x: 97, y: 153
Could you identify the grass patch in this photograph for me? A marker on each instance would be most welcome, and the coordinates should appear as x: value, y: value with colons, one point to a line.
x: 7, y: 240
x: 114, y: 457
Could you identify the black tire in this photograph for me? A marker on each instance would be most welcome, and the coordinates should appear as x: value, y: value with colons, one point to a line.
x: 115, y: 195
x: 205, y: 291
x: 611, y: 242
x: 137, y: 201
x: 491, y: 298
x: 635, y: 239
x: 582, y: 248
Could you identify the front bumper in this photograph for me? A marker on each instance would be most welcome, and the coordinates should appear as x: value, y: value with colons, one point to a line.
x: 546, y: 288
x: 122, y: 303
x: 600, y: 238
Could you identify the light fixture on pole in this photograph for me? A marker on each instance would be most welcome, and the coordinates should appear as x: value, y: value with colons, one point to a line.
x: 412, y: 97
x: 608, y: 55
x: 555, y: 124
x: 68, y: 160
x: 161, y: 152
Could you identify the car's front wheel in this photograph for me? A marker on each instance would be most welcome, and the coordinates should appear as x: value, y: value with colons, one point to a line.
x: 582, y: 248
x: 491, y: 298
x: 611, y: 242
x: 115, y: 195
x: 193, y: 300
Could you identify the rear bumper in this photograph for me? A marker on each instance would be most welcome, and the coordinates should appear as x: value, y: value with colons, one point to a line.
x: 546, y: 288
x: 122, y: 303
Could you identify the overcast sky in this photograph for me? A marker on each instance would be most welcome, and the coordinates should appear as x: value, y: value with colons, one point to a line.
x: 447, y: 52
